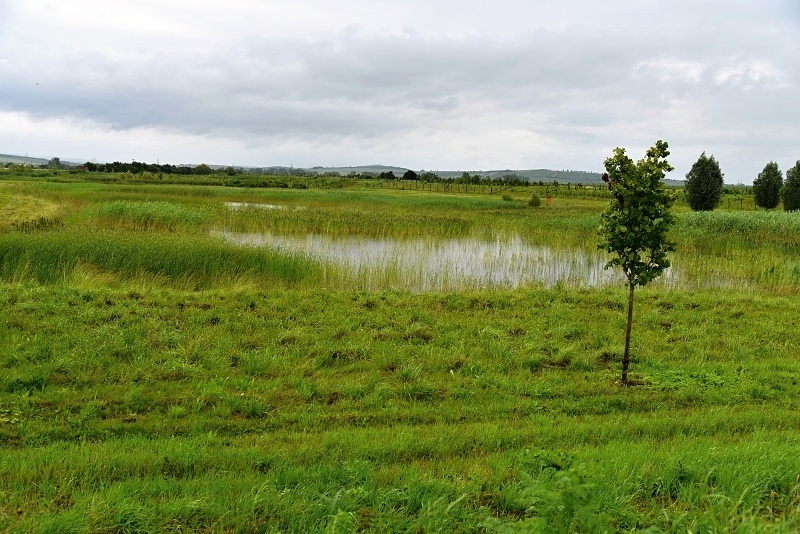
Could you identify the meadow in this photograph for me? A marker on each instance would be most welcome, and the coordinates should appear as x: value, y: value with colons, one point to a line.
x: 157, y: 378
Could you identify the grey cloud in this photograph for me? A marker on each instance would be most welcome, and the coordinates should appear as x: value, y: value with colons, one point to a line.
x: 573, y: 85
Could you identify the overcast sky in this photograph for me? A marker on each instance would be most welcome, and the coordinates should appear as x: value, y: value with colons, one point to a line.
x: 424, y: 84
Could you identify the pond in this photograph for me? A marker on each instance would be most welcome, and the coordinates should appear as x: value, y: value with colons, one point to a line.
x: 435, y: 264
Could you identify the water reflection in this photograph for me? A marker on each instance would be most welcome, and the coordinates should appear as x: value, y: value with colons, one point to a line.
x: 440, y: 264
x: 253, y: 205
x: 433, y: 264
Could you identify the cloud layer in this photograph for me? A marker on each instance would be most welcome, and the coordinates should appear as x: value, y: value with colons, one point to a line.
x: 448, y: 85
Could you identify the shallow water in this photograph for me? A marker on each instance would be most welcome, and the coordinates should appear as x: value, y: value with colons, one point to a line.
x: 247, y: 205
x: 436, y: 264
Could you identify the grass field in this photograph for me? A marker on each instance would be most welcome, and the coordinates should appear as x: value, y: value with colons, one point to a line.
x: 154, y: 378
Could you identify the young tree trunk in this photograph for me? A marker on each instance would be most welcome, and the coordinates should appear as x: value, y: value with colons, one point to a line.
x: 626, y: 358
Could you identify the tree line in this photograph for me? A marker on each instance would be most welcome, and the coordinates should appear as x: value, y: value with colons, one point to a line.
x: 137, y: 167
x: 704, y: 186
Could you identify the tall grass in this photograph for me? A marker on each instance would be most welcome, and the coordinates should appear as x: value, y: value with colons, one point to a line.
x: 18, y: 208
x: 750, y: 229
x: 52, y: 257
x: 147, y: 215
x: 347, y: 221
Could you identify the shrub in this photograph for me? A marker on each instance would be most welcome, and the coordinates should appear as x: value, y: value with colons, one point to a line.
x: 535, y: 201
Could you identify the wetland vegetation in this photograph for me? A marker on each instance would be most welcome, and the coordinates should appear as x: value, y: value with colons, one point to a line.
x: 162, y: 373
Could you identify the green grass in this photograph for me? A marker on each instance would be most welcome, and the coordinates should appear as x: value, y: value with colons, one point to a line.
x: 753, y: 229
x: 181, y: 260
x: 153, y: 378
x: 146, y: 215
x: 156, y: 410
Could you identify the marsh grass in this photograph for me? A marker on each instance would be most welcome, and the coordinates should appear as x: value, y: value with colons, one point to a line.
x: 748, y: 230
x: 20, y: 211
x: 146, y: 215
x: 202, y: 262
x: 332, y: 221
x: 153, y: 378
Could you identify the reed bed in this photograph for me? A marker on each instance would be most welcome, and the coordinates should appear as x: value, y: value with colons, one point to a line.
x: 331, y: 221
x: 146, y: 215
x: 720, y: 230
x: 53, y: 257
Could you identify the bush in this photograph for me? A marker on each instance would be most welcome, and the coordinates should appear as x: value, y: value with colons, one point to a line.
x: 507, y: 198
x: 535, y: 201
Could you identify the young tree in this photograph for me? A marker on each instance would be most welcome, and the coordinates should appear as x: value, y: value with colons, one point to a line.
x: 703, y: 186
x: 790, y: 193
x: 633, y: 228
x: 767, y: 187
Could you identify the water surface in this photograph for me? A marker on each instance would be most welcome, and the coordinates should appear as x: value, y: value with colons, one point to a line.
x: 452, y: 264
x: 433, y: 264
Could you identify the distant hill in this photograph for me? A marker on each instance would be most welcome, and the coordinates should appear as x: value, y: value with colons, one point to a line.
x: 529, y: 175
x: 17, y: 160
x: 35, y: 162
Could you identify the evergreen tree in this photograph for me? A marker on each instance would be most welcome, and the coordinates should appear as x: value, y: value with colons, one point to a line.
x: 703, y: 186
x: 767, y: 187
x: 790, y: 193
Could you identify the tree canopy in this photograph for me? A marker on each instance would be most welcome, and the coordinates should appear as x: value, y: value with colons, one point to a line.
x: 634, y: 226
x: 790, y: 193
x: 704, y: 183
x: 767, y: 187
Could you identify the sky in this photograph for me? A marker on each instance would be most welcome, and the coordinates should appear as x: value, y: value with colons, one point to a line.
x: 421, y: 84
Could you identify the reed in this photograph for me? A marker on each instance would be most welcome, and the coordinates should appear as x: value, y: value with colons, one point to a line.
x: 53, y: 257
x: 717, y: 230
x: 145, y: 215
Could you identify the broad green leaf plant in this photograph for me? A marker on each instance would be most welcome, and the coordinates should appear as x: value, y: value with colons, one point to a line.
x: 633, y: 228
